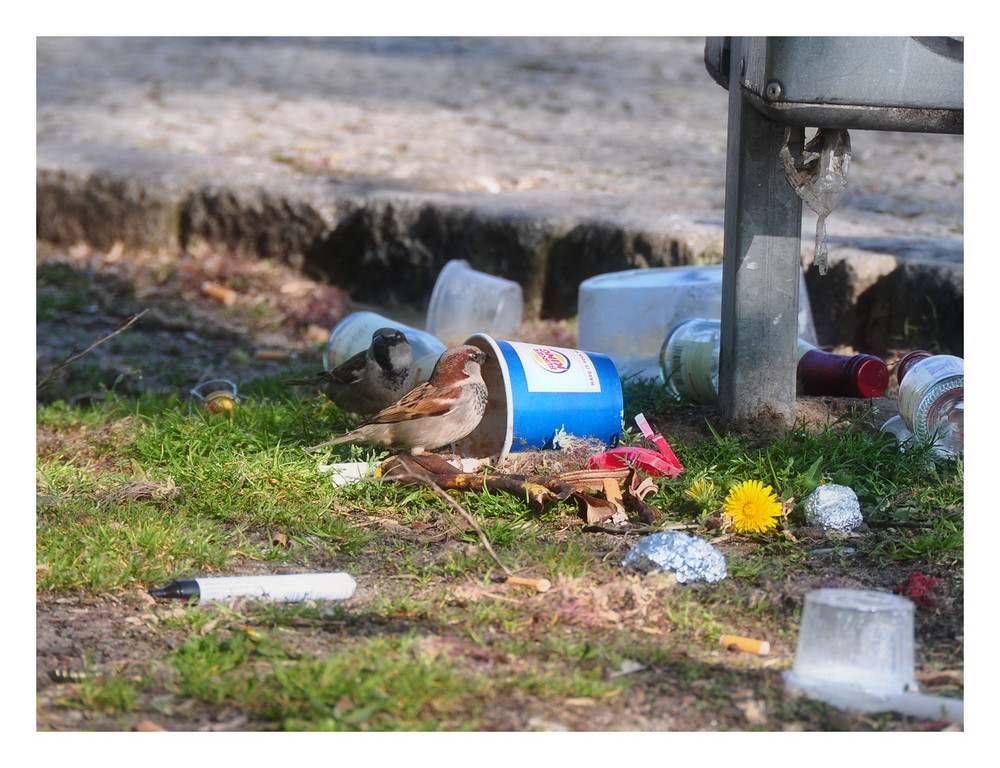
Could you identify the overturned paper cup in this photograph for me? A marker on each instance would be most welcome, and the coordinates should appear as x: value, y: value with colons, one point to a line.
x: 540, y: 394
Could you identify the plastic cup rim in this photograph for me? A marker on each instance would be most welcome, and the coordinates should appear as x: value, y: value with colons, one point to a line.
x: 210, y: 387
x: 508, y: 389
x: 868, y: 600
x: 438, y: 291
x: 651, y: 273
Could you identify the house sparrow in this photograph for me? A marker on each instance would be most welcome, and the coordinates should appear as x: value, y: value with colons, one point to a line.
x: 372, y: 379
x: 445, y: 408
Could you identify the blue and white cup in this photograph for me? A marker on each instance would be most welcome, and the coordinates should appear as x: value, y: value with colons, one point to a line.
x: 540, y: 394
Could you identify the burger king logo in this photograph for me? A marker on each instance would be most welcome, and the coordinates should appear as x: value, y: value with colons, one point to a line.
x: 550, y: 360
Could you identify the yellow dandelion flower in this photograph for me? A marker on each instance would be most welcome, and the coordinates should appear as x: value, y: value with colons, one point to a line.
x: 700, y: 490
x: 754, y: 507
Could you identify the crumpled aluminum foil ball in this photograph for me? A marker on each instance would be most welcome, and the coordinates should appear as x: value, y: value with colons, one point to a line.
x: 689, y: 558
x: 833, y: 506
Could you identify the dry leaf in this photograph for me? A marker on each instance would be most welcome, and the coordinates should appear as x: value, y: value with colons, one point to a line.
x: 641, y: 487
x: 942, y: 677
x: 753, y: 711
x: 593, y: 508
x: 613, y: 493
x: 316, y: 333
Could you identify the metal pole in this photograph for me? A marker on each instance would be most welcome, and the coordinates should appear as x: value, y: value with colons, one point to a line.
x: 760, y: 273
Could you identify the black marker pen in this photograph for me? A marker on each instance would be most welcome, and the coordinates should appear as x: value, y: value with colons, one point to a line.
x: 285, y: 588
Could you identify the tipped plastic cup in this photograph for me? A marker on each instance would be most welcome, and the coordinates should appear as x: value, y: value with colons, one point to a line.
x: 855, y: 652
x: 855, y: 640
x: 353, y: 334
x: 626, y: 315
x: 465, y: 301
x: 540, y: 395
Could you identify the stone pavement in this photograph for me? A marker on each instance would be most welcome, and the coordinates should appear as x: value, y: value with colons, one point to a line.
x: 373, y: 161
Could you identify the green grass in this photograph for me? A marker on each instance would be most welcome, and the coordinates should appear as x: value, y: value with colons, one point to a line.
x: 61, y: 288
x: 942, y: 542
x: 134, y: 493
x: 410, y: 682
x: 84, y: 547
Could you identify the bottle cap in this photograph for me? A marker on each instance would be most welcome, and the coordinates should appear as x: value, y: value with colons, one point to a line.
x: 909, y: 361
x: 870, y: 376
x: 824, y: 373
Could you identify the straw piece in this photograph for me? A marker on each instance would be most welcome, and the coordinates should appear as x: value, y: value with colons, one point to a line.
x: 647, y: 431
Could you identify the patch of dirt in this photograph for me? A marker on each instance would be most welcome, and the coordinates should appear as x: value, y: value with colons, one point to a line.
x: 269, y: 320
x: 127, y: 634
x: 224, y: 316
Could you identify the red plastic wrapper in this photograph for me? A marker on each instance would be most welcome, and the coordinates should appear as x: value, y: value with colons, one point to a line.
x: 661, y: 463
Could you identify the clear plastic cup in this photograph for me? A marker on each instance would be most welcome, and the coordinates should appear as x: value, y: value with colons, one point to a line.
x: 353, y: 334
x: 465, y: 301
x: 855, y: 639
x: 855, y: 652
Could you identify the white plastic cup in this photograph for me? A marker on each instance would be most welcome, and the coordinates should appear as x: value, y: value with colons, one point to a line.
x: 353, y: 334
x: 465, y: 301
x: 626, y: 315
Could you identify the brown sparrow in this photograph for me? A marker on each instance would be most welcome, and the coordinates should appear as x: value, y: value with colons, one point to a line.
x: 443, y: 409
x: 371, y: 379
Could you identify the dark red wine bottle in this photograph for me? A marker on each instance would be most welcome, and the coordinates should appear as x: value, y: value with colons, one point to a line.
x: 824, y: 373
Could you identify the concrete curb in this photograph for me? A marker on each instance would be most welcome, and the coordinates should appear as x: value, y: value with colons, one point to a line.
x: 385, y: 247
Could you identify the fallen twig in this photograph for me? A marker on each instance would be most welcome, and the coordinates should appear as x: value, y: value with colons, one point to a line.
x: 413, y: 471
x: 897, y: 524
x: 74, y: 357
x: 538, y: 491
x: 594, y: 528
x: 472, y: 521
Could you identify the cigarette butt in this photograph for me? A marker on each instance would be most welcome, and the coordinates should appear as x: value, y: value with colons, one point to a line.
x: 317, y: 333
x: 540, y: 585
x: 270, y: 354
x: 220, y: 293
x: 148, y: 726
x: 748, y: 644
